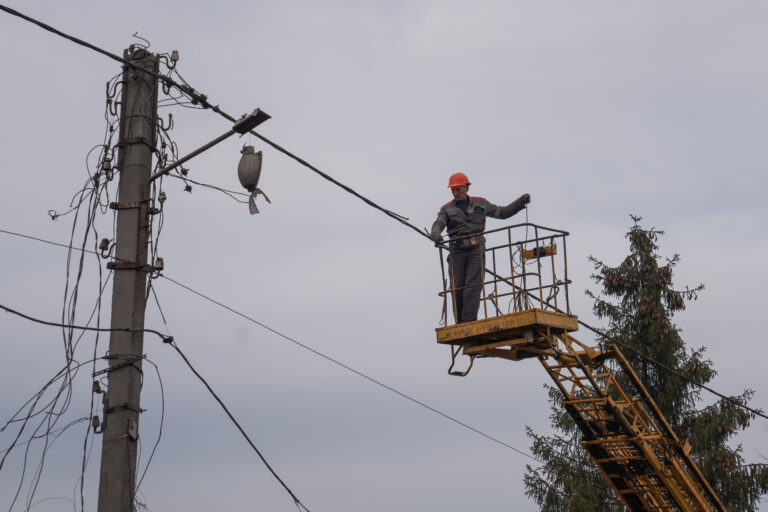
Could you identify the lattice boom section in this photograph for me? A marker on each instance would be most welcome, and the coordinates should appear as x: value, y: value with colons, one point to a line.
x: 623, y: 429
x: 626, y: 434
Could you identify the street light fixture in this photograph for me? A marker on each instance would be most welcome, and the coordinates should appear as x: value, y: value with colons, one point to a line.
x: 243, y: 125
x: 249, y: 172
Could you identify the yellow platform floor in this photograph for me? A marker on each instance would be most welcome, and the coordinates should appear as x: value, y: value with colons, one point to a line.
x: 505, y: 327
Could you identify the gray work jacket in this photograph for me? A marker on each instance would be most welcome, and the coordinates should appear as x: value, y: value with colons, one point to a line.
x: 473, y: 222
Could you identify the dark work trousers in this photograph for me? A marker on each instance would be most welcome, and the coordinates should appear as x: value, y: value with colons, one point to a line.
x: 466, y: 267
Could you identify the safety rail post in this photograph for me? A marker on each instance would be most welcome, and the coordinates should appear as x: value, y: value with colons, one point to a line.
x: 538, y: 265
x: 495, y: 285
x: 512, y: 269
x: 524, y: 273
x: 482, y: 286
x: 565, y: 270
x: 554, y: 274
x: 445, y: 289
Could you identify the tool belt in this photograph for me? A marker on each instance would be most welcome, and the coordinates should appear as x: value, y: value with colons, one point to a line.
x: 469, y: 242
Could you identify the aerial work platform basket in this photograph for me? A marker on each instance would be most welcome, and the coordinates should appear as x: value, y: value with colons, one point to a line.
x: 525, y: 283
x: 525, y: 313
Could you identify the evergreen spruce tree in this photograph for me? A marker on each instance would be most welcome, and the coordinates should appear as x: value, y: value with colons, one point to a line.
x: 638, y: 301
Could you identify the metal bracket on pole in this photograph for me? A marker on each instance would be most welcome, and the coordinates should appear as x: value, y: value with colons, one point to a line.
x: 127, y: 407
x: 135, y: 204
x: 136, y: 140
x: 126, y: 205
x: 125, y: 363
x: 128, y: 265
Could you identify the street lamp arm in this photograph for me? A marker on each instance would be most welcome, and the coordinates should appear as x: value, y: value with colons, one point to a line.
x: 242, y: 126
x: 190, y: 156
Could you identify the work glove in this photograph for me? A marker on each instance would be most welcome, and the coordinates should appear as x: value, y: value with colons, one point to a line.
x: 526, y: 198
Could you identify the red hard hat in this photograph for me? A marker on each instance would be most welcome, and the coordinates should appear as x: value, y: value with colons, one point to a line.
x: 458, y: 179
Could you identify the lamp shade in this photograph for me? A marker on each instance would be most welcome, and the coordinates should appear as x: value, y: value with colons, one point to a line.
x: 249, y: 172
x: 249, y: 168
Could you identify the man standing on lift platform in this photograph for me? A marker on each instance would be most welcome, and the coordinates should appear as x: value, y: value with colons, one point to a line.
x: 464, y: 217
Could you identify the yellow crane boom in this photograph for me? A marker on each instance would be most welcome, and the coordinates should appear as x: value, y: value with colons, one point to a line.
x: 622, y: 427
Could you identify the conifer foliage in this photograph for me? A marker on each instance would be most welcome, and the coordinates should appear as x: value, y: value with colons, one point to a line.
x: 638, y: 301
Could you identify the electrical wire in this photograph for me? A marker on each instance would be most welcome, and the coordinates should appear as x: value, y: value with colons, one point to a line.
x: 732, y: 401
x: 66, y: 246
x: 169, y: 340
x: 160, y: 428
x: 48, y: 411
x: 757, y: 412
x: 58, y: 431
x: 94, y: 194
x: 349, y: 368
x: 80, y: 198
x: 399, y: 218
x: 195, y: 96
x: 15, y: 417
x: 162, y: 401
x: 202, y: 99
x: 231, y: 193
x: 306, y: 347
x: 298, y: 503
x: 240, y: 428
x: 162, y: 336
x: 54, y: 410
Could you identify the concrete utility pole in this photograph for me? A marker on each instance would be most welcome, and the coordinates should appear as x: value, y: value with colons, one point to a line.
x: 122, y: 402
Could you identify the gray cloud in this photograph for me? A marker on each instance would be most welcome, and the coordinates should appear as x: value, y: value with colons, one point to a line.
x: 597, y: 109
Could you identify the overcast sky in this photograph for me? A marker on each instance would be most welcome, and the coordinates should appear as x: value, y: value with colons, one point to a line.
x: 598, y: 109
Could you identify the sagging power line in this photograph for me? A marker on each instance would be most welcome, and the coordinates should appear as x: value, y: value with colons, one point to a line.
x: 167, y: 339
x: 202, y: 99
x: 318, y: 353
x: 205, y: 104
x: 347, y: 367
x: 164, y: 337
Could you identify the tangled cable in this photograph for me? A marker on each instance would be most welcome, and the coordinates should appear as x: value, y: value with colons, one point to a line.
x: 167, y: 339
